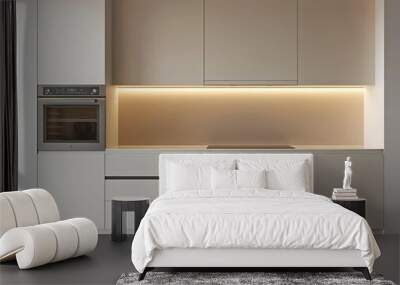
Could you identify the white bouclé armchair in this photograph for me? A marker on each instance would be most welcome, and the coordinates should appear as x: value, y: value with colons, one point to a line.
x: 31, y: 231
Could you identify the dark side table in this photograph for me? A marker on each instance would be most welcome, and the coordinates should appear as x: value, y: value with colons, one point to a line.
x: 358, y: 206
x: 122, y: 204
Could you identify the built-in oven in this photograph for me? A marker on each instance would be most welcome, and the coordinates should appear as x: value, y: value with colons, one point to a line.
x: 71, y: 118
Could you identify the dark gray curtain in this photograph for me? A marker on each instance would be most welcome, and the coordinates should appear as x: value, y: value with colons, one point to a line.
x: 8, y: 98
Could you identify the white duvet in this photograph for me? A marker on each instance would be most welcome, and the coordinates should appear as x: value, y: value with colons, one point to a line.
x: 251, y: 218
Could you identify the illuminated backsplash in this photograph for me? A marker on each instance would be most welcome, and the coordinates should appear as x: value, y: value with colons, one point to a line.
x: 235, y: 115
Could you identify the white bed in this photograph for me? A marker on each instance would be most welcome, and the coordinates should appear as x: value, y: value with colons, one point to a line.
x: 249, y: 227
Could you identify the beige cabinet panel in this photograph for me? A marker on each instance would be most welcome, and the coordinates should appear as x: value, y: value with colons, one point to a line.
x: 250, y: 41
x: 157, y: 42
x: 336, y: 42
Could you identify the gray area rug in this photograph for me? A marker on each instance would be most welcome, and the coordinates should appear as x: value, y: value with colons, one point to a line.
x: 229, y: 278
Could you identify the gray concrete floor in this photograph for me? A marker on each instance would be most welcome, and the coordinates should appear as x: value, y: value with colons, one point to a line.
x: 110, y: 260
x: 103, y: 266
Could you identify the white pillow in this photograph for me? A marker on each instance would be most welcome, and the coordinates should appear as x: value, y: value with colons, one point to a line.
x: 251, y: 178
x: 223, y: 179
x: 282, y: 174
x: 188, y: 174
x: 188, y: 177
x: 293, y: 178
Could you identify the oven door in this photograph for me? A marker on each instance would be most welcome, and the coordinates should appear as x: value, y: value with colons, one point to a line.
x: 71, y: 123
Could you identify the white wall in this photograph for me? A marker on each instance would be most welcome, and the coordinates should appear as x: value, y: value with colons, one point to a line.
x: 374, y: 108
x: 26, y: 92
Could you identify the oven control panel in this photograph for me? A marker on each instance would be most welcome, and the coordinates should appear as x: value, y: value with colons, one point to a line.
x: 67, y: 91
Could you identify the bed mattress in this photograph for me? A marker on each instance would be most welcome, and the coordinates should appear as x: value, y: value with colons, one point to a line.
x: 250, y: 219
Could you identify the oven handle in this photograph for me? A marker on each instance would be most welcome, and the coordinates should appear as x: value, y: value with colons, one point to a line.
x: 71, y: 101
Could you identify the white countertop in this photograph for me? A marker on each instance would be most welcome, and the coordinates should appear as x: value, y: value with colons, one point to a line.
x: 204, y: 147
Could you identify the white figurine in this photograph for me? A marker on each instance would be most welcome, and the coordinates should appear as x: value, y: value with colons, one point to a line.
x: 347, y: 173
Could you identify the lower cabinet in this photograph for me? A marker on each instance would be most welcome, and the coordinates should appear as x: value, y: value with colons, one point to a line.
x: 128, y: 187
x: 83, y: 188
x: 76, y: 181
x: 328, y: 173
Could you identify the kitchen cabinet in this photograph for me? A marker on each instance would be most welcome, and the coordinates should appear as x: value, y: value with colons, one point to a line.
x: 71, y: 42
x: 26, y: 53
x: 157, y: 42
x: 76, y: 180
x: 328, y: 173
x: 336, y: 42
x: 250, y: 42
x: 243, y: 42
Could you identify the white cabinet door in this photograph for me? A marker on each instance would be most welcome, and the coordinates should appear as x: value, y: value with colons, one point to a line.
x: 250, y: 41
x: 336, y: 42
x: 157, y: 42
x: 71, y: 41
x: 76, y: 180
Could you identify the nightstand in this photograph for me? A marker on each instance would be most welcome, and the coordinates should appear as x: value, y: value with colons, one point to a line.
x: 358, y: 206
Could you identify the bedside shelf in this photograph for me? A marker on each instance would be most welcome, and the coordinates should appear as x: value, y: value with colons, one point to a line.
x: 358, y: 206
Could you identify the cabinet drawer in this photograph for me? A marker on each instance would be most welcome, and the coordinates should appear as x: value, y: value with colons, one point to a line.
x: 142, y: 188
x: 131, y: 163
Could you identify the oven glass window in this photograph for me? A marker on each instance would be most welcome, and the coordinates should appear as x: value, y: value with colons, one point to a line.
x: 71, y: 123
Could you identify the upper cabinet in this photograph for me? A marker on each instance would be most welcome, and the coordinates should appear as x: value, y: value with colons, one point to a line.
x: 336, y: 42
x: 250, y: 41
x: 71, y: 41
x: 157, y: 42
x: 239, y: 42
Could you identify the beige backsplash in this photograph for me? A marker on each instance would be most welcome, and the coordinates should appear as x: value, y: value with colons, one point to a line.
x: 203, y: 116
